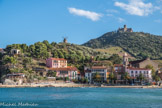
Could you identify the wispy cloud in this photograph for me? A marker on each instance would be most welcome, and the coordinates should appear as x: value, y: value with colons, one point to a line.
x: 120, y: 20
x: 110, y: 15
x: 88, y: 14
x: 137, y: 7
x: 112, y: 11
x: 158, y: 21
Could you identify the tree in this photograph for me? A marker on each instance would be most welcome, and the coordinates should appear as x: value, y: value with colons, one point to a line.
x: 97, y: 77
x: 126, y: 77
x: 152, y: 68
x: 9, y: 60
x: 41, y: 50
x: 112, y: 77
x: 156, y: 78
x: 26, y: 61
x: 115, y: 59
x: 51, y: 73
x: 141, y: 77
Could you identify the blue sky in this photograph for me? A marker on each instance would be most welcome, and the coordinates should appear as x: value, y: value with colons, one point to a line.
x: 29, y: 21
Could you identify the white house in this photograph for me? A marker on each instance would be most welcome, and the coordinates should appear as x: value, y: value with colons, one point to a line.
x: 91, y: 71
x: 135, y: 72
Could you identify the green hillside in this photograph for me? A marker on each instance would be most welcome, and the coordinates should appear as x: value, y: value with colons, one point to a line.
x: 138, y: 44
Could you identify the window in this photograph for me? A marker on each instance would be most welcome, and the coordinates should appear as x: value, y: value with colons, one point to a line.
x: 132, y: 72
x: 63, y: 72
x: 136, y: 72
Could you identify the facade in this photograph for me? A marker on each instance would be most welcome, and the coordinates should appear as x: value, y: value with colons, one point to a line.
x: 143, y: 63
x: 135, y: 72
x: 56, y: 63
x: 91, y: 71
x: 119, y: 68
x: 18, y: 78
x: 59, y: 65
x: 70, y: 72
x: 15, y: 51
x: 125, y: 29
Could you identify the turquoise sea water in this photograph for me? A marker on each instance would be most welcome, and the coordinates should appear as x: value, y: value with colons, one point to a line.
x: 80, y: 98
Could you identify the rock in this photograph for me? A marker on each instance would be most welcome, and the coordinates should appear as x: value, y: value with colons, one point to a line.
x: 9, y: 82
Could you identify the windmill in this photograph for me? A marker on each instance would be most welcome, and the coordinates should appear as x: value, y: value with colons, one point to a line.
x: 65, y: 39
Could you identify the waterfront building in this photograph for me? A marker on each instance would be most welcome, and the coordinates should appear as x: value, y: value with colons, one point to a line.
x: 135, y: 72
x: 91, y: 71
x: 143, y: 63
x: 56, y: 63
x: 18, y: 78
x: 59, y: 65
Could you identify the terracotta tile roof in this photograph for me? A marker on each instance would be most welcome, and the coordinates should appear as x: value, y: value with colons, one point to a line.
x: 137, y: 68
x: 57, y: 59
x: 103, y: 61
x: 68, y: 68
x: 98, y: 67
x: 117, y: 65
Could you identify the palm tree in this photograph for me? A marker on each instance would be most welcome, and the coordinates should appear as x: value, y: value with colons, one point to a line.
x: 97, y: 77
x: 112, y: 77
x: 140, y: 77
x: 126, y: 77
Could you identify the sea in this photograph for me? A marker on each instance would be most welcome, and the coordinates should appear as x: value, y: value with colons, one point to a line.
x: 51, y: 97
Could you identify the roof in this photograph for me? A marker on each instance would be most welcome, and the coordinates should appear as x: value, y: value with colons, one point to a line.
x: 137, y: 61
x: 118, y: 65
x: 137, y: 68
x: 16, y: 74
x: 103, y: 61
x: 57, y: 59
x: 98, y: 67
x: 68, y: 68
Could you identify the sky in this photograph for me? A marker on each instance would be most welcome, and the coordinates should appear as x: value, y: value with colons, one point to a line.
x: 30, y: 21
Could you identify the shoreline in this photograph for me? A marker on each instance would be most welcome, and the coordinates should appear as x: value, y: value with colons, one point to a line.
x: 69, y: 85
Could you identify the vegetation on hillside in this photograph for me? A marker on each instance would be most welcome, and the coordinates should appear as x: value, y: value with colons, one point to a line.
x: 34, y: 56
x: 138, y: 44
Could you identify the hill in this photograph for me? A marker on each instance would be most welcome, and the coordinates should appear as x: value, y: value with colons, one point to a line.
x: 138, y: 44
x: 32, y: 58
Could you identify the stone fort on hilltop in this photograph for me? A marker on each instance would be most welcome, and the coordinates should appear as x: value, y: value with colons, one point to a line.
x: 125, y: 29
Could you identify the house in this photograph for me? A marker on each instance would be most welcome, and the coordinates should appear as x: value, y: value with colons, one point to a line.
x: 135, y: 72
x: 15, y: 51
x: 125, y: 29
x: 119, y: 70
x: 56, y: 63
x: 59, y: 65
x: 68, y: 72
x: 18, y: 78
x: 91, y: 71
x: 143, y: 63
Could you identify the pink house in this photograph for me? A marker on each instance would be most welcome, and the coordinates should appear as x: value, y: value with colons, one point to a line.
x: 62, y: 70
x: 56, y: 63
